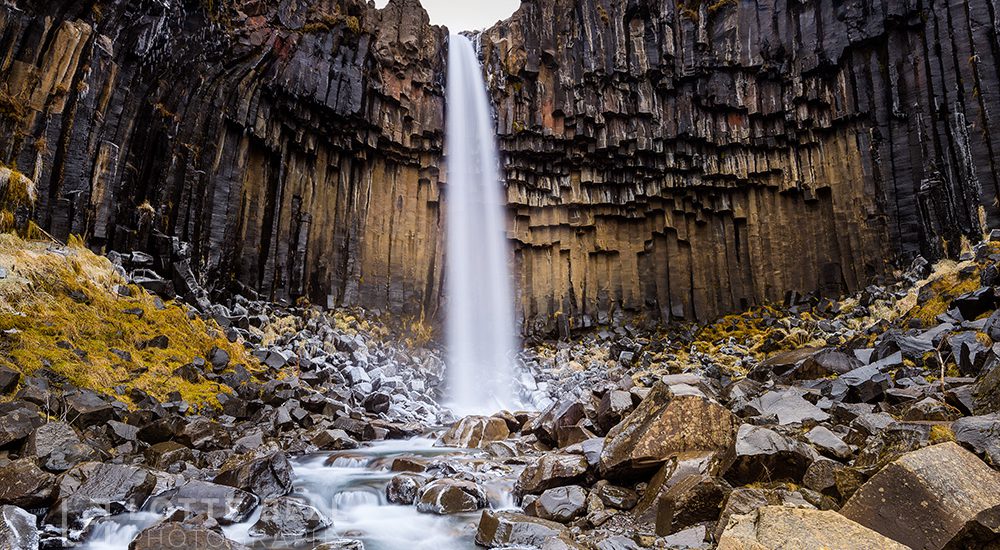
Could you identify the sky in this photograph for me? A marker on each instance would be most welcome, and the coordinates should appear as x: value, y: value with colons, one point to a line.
x: 466, y: 15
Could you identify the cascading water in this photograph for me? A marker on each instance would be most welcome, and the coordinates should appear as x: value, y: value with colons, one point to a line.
x: 480, y: 305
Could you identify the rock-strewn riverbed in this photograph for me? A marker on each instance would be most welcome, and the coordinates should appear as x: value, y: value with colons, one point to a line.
x: 814, y: 424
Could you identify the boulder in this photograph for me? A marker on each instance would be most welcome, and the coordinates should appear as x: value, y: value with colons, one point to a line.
x: 475, y: 432
x: 266, y: 476
x: 24, y: 484
x: 164, y: 456
x: 562, y: 504
x: 924, y: 498
x: 783, y: 527
x: 177, y: 536
x: 931, y: 410
x: 562, y: 414
x: 670, y: 420
x: 986, y: 394
x: 613, y: 408
x: 979, y: 533
x: 982, y: 435
x: 17, y: 529
x: 788, y: 406
x: 613, y: 496
x: 341, y: 544
x: 17, y: 421
x: 86, y: 408
x: 334, y: 440
x: 225, y: 504
x: 451, y: 496
x: 551, y: 470
x: 828, y: 442
x: 9, y: 379
x: 510, y: 529
x: 744, y: 500
x: 404, y: 488
x: 94, y: 488
x: 288, y: 517
x: 766, y: 455
x: 691, y: 500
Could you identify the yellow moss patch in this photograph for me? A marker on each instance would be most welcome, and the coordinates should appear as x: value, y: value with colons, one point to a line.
x: 941, y: 434
x: 66, y: 316
x: 944, y: 285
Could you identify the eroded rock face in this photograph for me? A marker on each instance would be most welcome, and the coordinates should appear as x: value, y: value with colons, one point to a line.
x: 924, y: 498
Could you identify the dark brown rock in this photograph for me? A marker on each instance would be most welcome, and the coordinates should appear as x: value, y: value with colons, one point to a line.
x: 551, y: 470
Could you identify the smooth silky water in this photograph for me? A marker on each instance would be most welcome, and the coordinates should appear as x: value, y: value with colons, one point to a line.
x: 349, y: 487
x: 479, y: 300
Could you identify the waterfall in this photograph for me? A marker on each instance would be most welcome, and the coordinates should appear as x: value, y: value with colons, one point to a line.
x: 480, y: 303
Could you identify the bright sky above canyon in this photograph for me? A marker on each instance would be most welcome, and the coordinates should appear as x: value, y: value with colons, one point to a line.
x: 466, y: 15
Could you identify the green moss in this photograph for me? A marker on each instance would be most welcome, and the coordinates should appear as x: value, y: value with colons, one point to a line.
x: 66, y: 317
x: 941, y: 433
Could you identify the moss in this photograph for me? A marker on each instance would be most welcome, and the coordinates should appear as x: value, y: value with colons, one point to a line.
x: 941, y: 292
x: 18, y: 190
x: 12, y: 107
x: 67, y: 317
x: 941, y: 433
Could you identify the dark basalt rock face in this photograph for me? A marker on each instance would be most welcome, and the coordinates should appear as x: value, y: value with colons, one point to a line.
x: 294, y: 144
x: 678, y: 159
x: 689, y: 158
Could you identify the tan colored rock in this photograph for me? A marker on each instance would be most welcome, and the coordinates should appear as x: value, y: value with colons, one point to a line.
x: 926, y: 497
x: 669, y: 421
x: 774, y: 527
x: 475, y: 432
x: 551, y: 470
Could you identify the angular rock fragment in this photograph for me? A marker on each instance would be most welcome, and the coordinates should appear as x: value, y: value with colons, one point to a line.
x: 982, y: 435
x: 551, y: 470
x: 176, y: 536
x: 285, y: 517
x: 766, y: 455
x: 17, y: 529
x: 562, y: 504
x: 924, y: 498
x: 451, y: 496
x: 783, y: 527
x: 266, y: 476
x: 474, y: 432
x: 503, y: 529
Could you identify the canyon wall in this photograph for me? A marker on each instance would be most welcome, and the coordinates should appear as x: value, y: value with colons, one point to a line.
x: 690, y: 157
x: 295, y: 144
x: 668, y: 159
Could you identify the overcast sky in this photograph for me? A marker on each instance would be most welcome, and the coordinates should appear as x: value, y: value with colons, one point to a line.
x: 466, y: 15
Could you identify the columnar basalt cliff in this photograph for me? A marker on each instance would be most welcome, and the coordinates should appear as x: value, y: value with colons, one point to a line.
x: 674, y: 159
x: 692, y: 157
x: 294, y: 144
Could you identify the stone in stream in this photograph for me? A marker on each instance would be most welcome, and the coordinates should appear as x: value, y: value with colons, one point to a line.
x: 551, y: 470
x: 341, y: 544
x: 783, y: 527
x: 177, y: 536
x: 451, y: 496
x: 95, y: 488
x: 670, y: 420
x: 982, y: 435
x: 925, y: 497
x: 17, y: 529
x: 266, y: 476
x: 227, y: 505
x: 766, y: 455
x: 475, y: 432
x: 24, y: 484
x: 288, y: 517
x: 511, y: 529
x: 562, y: 504
x: 334, y: 440
x: 404, y: 488
x: 58, y: 447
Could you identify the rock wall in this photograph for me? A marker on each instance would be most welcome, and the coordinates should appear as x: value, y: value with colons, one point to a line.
x: 294, y: 144
x: 689, y: 158
x: 668, y: 159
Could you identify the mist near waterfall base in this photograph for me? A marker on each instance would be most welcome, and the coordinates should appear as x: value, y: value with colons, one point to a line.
x: 466, y: 15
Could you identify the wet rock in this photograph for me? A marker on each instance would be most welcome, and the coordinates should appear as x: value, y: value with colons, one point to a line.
x: 25, y: 485
x: 451, y: 496
x: 288, y: 517
x: 766, y: 455
x: 17, y: 529
x: 502, y: 529
x: 782, y: 527
x: 17, y: 422
x: 341, y: 544
x: 404, y: 488
x: 176, y: 536
x: 334, y: 440
x: 266, y: 476
x: 562, y: 504
x: 94, y: 488
x: 667, y: 422
x: 227, y: 505
x: 475, y: 432
x: 57, y: 447
x: 982, y: 435
x: 377, y: 402
x: 924, y: 498
x: 551, y: 470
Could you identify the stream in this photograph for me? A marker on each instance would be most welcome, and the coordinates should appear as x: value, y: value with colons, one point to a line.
x: 349, y: 487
